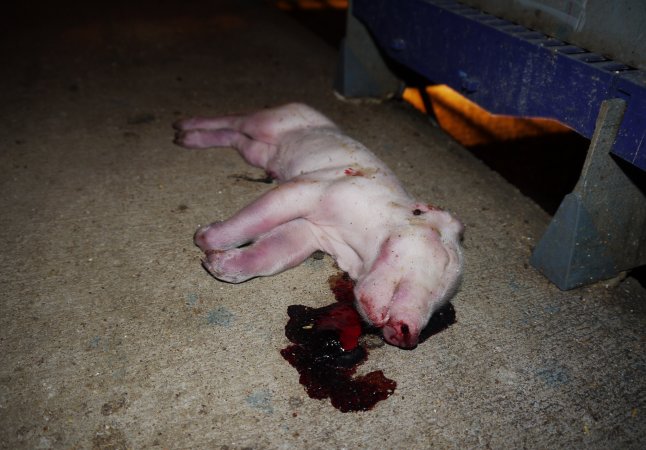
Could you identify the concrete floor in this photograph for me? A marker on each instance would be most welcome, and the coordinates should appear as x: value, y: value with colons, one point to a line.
x: 111, y: 334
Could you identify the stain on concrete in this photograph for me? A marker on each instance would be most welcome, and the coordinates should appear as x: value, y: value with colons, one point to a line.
x: 261, y: 400
x: 115, y: 405
x: 116, y: 354
x: 295, y: 402
x: 94, y: 342
x: 109, y: 438
x: 553, y: 376
x: 191, y: 299
x: 516, y: 285
x: 220, y: 316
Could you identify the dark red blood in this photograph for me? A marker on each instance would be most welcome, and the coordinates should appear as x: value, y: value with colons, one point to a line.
x: 344, y: 320
x: 326, y: 352
x: 342, y: 287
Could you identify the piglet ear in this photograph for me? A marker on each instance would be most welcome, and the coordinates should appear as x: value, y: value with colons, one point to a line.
x: 457, y: 227
x: 451, y: 229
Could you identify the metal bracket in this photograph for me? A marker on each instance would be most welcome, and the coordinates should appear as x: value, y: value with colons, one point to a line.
x: 599, y: 229
x: 361, y: 70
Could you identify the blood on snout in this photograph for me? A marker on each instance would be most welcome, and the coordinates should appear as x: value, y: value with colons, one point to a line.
x: 353, y: 172
x: 376, y: 316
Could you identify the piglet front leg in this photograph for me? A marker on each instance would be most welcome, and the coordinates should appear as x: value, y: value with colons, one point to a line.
x: 279, y: 249
x: 264, y: 238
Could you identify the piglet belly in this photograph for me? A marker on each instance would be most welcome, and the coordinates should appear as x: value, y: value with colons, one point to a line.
x: 318, y: 150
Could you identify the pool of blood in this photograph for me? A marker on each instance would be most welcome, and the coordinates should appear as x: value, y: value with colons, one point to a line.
x: 326, y: 350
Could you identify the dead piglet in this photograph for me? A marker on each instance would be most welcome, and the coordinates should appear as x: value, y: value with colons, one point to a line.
x: 336, y: 196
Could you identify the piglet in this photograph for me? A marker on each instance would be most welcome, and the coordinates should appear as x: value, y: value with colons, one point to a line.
x: 333, y: 195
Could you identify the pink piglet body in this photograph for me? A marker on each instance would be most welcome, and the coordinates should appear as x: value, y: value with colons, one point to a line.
x: 333, y: 195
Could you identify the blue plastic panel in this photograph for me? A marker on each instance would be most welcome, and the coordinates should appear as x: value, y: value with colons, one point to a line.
x: 507, y: 68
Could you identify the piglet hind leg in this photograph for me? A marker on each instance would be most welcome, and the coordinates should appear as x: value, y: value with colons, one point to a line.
x: 200, y: 132
x: 282, y: 248
x: 231, y: 122
x: 256, y: 153
x: 206, y: 138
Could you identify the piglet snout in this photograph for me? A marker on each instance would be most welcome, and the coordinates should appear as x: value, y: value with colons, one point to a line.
x: 401, y: 335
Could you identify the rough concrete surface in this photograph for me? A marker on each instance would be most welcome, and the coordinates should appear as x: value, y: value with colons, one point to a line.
x: 111, y: 334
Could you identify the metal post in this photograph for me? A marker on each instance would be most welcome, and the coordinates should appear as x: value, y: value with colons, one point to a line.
x: 599, y: 229
x: 361, y: 70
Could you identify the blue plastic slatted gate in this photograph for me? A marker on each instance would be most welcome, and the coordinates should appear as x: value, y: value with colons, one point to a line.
x: 509, y: 69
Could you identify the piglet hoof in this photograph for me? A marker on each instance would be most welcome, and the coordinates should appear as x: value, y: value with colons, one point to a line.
x: 199, y: 236
x: 218, y: 264
x: 182, y: 124
x: 209, y: 258
x: 204, y: 237
x: 190, y: 139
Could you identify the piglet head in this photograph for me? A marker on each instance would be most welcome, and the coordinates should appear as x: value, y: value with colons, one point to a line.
x: 418, y: 268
